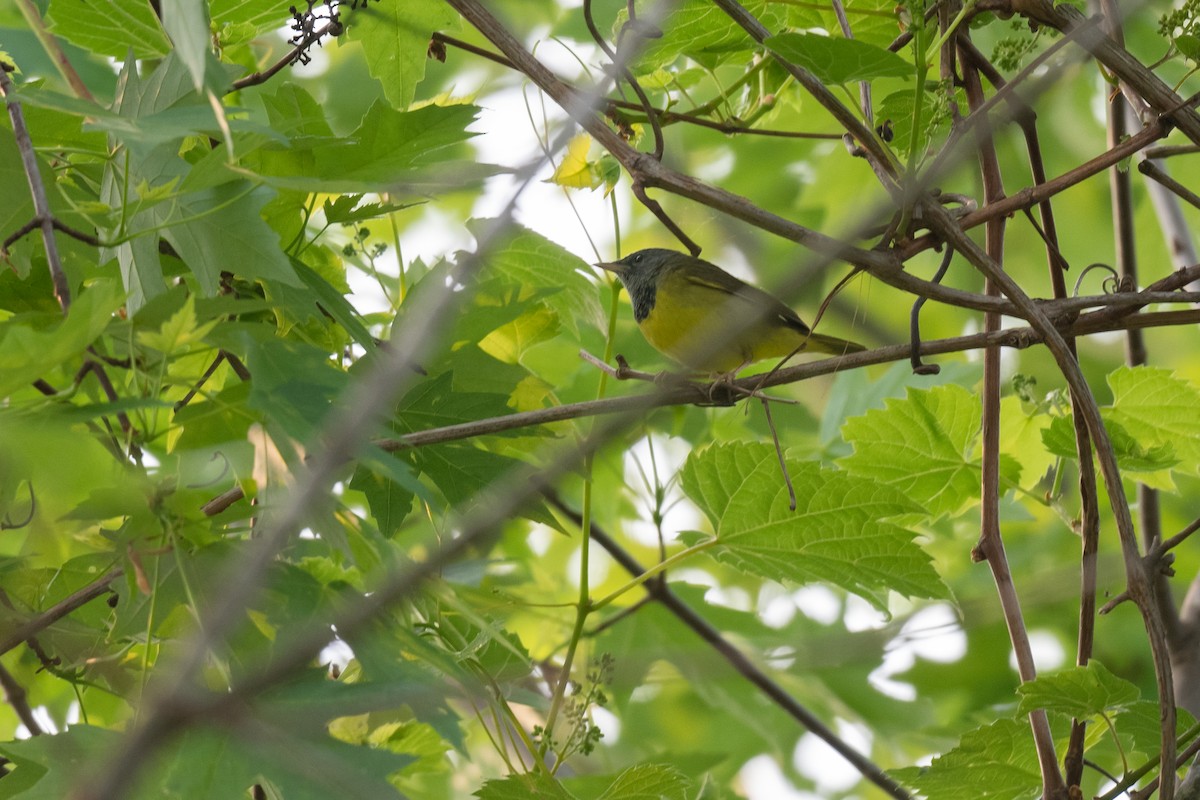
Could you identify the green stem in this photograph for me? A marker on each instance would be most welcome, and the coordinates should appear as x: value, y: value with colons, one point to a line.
x: 660, y: 567
x: 399, y: 260
x: 723, y: 97
x: 584, y: 606
x: 919, y: 95
x: 967, y: 8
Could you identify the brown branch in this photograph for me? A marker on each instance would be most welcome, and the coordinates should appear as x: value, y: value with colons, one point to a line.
x: 1156, y: 173
x: 991, y: 541
x: 256, y: 78
x: 37, y: 190
x: 17, y: 697
x: 1032, y: 195
x: 33, y: 19
x: 44, y: 620
x: 688, y: 393
x: 1132, y: 72
x: 1089, y: 410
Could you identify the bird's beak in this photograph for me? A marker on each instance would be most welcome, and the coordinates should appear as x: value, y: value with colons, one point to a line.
x: 612, y: 266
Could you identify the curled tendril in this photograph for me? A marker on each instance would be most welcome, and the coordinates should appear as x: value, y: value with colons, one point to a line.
x: 1110, y: 285
x: 225, y: 466
x: 7, y: 524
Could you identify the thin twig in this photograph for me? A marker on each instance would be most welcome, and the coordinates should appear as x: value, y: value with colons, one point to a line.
x: 18, y: 698
x: 76, y: 599
x: 787, y: 478
x: 37, y: 190
x: 255, y: 78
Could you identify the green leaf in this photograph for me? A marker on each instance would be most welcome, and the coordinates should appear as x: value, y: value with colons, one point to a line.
x: 462, y: 472
x: 400, y: 152
x: 295, y: 113
x: 334, y: 303
x: 294, y: 383
x: 1158, y: 408
x: 1078, y: 692
x: 27, y: 354
x: 533, y: 786
x: 434, y: 403
x: 1189, y: 46
x: 839, y: 60
x: 1132, y: 455
x: 921, y: 447
x: 186, y: 22
x: 179, y: 331
x: 390, y: 499
x: 52, y: 766
x: 699, y: 29
x: 648, y: 782
x: 1139, y: 724
x: 395, y: 39
x: 839, y: 532
x: 350, y: 208
x: 209, y: 766
x: 247, y: 20
x: 110, y: 27
x: 222, y: 230
x: 19, y: 206
x: 994, y: 762
x: 531, y: 260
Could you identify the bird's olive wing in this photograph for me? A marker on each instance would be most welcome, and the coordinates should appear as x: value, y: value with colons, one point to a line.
x: 702, y: 273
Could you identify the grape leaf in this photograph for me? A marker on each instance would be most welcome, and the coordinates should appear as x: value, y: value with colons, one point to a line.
x: 920, y: 446
x: 1132, y: 455
x: 1158, y: 408
x: 994, y: 762
x: 839, y: 532
x: 531, y: 786
x: 648, y: 782
x: 1078, y: 692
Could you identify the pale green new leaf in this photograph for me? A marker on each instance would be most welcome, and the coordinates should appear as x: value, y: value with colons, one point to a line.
x: 921, y: 446
x: 110, y: 27
x: 838, y: 533
x: 534, y: 261
x: 27, y: 354
x: 995, y: 762
x: 839, y: 60
x: 1132, y: 455
x: 179, y: 331
x: 1078, y: 692
x: 395, y: 39
x: 1157, y: 407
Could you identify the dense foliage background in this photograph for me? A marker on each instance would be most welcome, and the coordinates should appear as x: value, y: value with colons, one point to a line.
x: 298, y: 450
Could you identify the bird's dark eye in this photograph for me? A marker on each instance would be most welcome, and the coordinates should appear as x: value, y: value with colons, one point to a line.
x: 637, y: 259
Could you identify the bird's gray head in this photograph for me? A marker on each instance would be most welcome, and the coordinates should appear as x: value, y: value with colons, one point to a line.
x: 640, y: 272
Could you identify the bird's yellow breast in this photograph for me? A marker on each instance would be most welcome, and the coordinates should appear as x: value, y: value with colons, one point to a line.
x: 695, y: 324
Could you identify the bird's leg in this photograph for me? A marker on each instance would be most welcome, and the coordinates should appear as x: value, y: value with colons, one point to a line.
x: 724, y: 381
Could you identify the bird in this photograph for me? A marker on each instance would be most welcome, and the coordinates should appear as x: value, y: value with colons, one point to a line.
x: 702, y: 317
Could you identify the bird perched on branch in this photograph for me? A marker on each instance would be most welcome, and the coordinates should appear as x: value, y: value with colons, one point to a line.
x: 706, y: 319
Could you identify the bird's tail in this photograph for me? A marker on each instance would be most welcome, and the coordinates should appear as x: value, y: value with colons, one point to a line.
x: 820, y: 343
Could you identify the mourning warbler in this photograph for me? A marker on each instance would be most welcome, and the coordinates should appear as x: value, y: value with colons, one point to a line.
x: 701, y: 316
